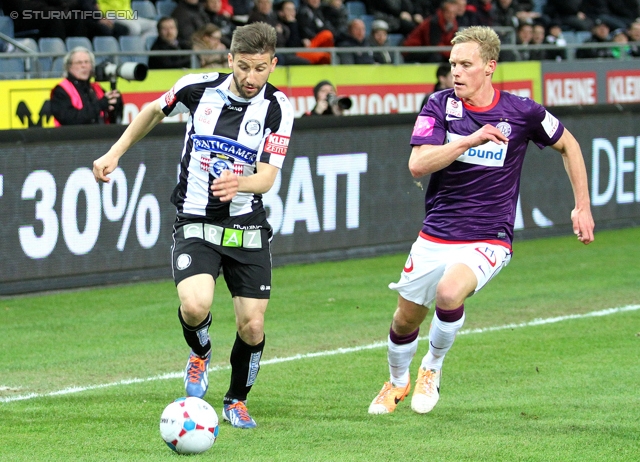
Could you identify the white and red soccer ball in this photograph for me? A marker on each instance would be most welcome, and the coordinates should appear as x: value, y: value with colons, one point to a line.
x: 189, y: 425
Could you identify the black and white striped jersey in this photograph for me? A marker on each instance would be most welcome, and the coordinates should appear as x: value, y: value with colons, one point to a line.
x: 225, y: 132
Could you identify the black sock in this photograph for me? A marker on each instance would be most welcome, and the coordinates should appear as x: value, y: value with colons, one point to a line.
x: 245, y: 364
x: 197, y: 337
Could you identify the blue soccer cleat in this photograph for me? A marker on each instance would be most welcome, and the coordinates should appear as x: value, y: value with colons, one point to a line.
x: 196, y: 375
x: 236, y: 413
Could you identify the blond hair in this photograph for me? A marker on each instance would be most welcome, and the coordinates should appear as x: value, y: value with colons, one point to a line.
x: 485, y: 37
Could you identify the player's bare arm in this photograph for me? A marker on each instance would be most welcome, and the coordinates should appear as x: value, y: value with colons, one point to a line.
x: 581, y: 217
x: 426, y: 159
x: 228, y: 184
x: 142, y: 124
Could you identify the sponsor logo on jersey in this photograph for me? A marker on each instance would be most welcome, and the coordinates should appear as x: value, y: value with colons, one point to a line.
x: 170, y: 97
x: 489, y: 154
x: 408, y: 266
x: 238, y: 168
x: 489, y: 254
x: 454, y: 108
x: 252, y: 127
x: 424, y: 126
x: 504, y: 128
x: 277, y: 144
x: 221, y: 145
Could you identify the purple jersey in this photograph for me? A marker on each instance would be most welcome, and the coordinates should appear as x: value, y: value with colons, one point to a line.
x: 475, y: 197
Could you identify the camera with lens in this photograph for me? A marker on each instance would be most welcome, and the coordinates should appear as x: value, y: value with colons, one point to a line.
x: 343, y: 102
x: 109, y: 72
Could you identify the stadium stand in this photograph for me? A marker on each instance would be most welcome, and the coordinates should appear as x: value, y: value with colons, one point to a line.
x: 6, y: 25
x: 50, y: 45
x: 145, y: 9
x: 149, y: 41
x: 73, y: 42
x: 106, y: 44
x: 165, y: 7
x: 11, y: 68
x: 132, y: 44
x: 356, y: 9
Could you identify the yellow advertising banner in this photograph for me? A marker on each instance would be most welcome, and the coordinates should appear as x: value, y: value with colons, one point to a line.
x: 372, y: 89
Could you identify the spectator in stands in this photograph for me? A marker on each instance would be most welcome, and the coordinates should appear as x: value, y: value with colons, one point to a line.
x: 625, y: 10
x: 315, y: 32
x: 356, y: 37
x: 467, y: 15
x: 210, y: 38
x: 327, y: 100
x: 423, y: 9
x: 221, y: 18
x: 599, y: 34
x: 380, y: 38
x: 444, y: 80
x: 92, y: 27
x: 634, y: 36
x: 612, y: 12
x: 399, y: 14
x: 620, y: 38
x: 569, y: 14
x: 141, y: 27
x: 509, y: 13
x: 555, y: 37
x: 286, y: 11
x: 485, y: 11
x: 263, y: 12
x: 190, y: 16
x: 48, y: 24
x: 311, y: 20
x: 538, y: 36
x: 241, y: 10
x: 78, y: 101
x: 437, y: 30
x: 336, y: 14
x: 168, y: 41
x: 524, y: 36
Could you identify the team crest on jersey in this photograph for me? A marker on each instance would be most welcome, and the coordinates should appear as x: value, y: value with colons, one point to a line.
x: 504, y: 128
x: 454, y: 108
x: 252, y: 127
x: 183, y: 261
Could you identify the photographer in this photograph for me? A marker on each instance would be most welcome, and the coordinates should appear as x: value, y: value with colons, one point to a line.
x: 76, y: 100
x: 327, y: 100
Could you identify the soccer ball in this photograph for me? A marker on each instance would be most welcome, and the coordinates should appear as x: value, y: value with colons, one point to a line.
x: 189, y: 425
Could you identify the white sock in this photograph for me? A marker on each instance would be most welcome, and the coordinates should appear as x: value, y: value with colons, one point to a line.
x: 441, y: 337
x: 400, y: 357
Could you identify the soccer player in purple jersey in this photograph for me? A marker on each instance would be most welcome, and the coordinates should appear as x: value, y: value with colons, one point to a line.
x: 472, y: 140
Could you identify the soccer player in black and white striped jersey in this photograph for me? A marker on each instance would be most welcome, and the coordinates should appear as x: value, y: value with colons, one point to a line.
x: 236, y: 140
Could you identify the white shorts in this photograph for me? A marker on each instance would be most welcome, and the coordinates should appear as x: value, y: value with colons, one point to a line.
x: 429, y: 260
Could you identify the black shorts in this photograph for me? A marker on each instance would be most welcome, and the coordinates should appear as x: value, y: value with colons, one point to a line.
x: 242, y: 252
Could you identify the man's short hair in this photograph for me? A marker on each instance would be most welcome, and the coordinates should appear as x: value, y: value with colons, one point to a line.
x: 163, y: 20
x: 254, y: 39
x: 443, y: 70
x: 485, y: 37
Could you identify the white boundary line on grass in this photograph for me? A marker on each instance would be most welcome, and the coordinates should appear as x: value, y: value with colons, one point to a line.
x: 175, y: 375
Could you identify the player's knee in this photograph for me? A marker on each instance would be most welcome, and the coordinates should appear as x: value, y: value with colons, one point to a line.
x: 195, y: 307
x: 251, y: 331
x: 449, y: 296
